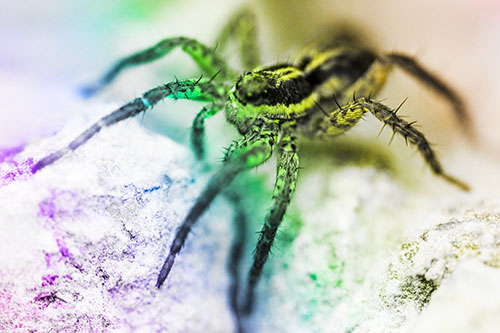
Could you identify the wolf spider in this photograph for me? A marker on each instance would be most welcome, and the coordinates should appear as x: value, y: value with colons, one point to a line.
x: 323, y: 93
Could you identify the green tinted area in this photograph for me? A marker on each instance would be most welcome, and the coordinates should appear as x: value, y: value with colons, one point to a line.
x: 344, y: 151
x: 143, y: 8
x: 133, y: 9
x: 314, y: 277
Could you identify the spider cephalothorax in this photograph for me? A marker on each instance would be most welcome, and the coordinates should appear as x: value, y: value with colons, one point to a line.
x: 322, y: 94
x: 277, y: 92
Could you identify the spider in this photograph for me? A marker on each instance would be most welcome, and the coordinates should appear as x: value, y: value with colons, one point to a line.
x: 322, y: 94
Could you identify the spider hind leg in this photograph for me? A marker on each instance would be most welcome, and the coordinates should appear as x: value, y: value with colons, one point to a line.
x: 412, y: 67
x: 240, y: 222
x: 242, y: 27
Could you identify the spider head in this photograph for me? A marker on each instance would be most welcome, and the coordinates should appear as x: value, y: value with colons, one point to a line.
x: 277, y: 92
x: 255, y: 88
x: 281, y: 84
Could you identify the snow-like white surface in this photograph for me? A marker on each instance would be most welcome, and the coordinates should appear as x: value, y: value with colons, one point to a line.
x: 360, y: 250
x: 83, y: 240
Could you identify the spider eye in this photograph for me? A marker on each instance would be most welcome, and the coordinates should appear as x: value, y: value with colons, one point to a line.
x: 254, y: 88
x: 251, y: 97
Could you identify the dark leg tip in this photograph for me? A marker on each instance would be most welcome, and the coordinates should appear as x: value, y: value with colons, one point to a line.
x: 89, y: 91
x: 249, y: 302
x: 36, y: 167
x: 47, y: 160
x: 247, y: 308
x: 167, y: 266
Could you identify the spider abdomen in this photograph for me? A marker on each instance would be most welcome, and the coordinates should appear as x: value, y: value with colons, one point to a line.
x: 336, y: 69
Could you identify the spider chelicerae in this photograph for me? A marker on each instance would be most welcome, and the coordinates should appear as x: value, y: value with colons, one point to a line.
x: 323, y: 93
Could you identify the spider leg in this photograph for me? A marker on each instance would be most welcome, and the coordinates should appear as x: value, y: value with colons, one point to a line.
x: 286, y: 178
x: 250, y: 151
x: 242, y: 27
x: 189, y: 89
x: 408, y: 131
x: 240, y: 221
x: 206, y: 58
x: 198, y: 128
x: 411, y: 66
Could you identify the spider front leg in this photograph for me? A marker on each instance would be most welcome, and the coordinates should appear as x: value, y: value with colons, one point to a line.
x: 411, y: 135
x: 189, y: 89
x: 252, y: 150
x: 286, y: 179
x: 206, y: 58
x: 198, y: 128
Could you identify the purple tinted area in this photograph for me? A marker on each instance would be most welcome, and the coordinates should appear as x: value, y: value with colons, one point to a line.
x: 46, y: 208
x: 74, y: 267
x: 6, y: 154
x: 22, y: 171
x: 60, y: 203
x: 46, y: 298
x: 47, y: 259
x: 58, y: 206
x: 63, y: 249
x: 49, y: 279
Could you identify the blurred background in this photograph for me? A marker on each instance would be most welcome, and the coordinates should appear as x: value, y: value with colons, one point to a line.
x: 50, y: 48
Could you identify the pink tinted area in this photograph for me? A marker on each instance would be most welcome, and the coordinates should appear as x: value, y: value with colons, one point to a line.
x: 11, y: 170
x: 489, y: 5
x: 16, y: 311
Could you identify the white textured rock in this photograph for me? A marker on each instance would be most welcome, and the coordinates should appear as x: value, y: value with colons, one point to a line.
x: 465, y: 302
x: 370, y: 255
x: 82, y: 240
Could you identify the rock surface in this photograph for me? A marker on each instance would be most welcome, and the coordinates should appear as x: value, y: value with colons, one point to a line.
x: 359, y: 250
x: 84, y: 238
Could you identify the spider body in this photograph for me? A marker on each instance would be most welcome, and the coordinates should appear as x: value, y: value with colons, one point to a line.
x: 317, y: 82
x: 322, y: 94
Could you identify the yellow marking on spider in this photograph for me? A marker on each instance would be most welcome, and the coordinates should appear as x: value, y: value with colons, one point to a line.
x: 280, y: 111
